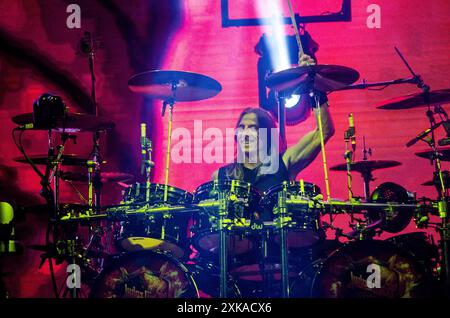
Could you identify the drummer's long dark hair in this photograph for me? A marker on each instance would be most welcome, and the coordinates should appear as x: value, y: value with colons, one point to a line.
x: 265, y: 120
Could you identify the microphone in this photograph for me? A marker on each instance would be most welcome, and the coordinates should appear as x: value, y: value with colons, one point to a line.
x: 143, y: 146
x: 422, y: 135
x: 27, y: 126
x: 444, y: 142
x: 351, y: 130
x: 86, y: 43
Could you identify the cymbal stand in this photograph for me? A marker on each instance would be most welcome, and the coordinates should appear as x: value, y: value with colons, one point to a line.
x: 443, y: 200
x: 53, y: 164
x: 147, y: 163
x: 348, y: 134
x: 444, y: 228
x: 367, y: 177
x: 170, y: 103
x: 314, y: 94
x: 223, y: 239
x: 96, y: 177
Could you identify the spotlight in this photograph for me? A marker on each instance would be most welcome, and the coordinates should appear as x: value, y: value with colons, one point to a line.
x: 298, y: 106
x: 292, y: 101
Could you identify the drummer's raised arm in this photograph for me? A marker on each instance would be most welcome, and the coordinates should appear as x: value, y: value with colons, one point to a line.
x: 300, y: 155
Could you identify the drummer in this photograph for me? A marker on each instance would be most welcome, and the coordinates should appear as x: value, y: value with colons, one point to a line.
x: 290, y: 162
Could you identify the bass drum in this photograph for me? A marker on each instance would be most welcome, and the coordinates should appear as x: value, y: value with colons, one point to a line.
x: 419, y: 244
x: 145, y: 274
x: 349, y: 272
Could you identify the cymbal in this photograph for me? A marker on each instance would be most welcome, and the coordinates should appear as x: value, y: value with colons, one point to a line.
x: 441, y: 96
x: 105, y: 177
x: 44, y: 209
x: 436, y: 180
x: 323, y: 78
x: 189, y: 86
x: 427, y: 154
x: 367, y: 165
x: 74, y: 122
x: 66, y: 160
x: 431, y: 183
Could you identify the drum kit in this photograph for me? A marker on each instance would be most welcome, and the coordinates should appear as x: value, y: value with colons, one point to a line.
x: 164, y: 242
x: 161, y: 241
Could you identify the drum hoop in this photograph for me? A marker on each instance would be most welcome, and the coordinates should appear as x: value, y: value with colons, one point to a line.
x: 160, y: 187
x: 117, y: 259
x: 318, y: 274
x: 225, y: 182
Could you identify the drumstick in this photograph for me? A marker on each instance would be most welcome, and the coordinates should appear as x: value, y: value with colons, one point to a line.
x: 297, y: 34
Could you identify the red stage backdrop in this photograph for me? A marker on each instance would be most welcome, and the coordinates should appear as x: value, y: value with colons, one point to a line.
x: 39, y: 53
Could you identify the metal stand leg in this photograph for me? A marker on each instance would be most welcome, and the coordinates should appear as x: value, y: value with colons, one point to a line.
x: 223, y: 255
x: 282, y: 225
x: 322, y: 145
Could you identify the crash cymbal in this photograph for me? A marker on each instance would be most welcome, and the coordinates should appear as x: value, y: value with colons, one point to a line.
x: 367, y: 165
x: 106, y: 177
x: 66, y: 160
x: 428, y: 154
x: 441, y: 96
x: 74, y: 122
x: 323, y: 78
x: 159, y: 84
x: 431, y: 183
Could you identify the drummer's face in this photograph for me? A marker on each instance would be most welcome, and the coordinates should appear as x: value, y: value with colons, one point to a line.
x: 247, y: 133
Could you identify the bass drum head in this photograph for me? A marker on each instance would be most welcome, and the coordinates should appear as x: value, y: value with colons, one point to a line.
x: 347, y: 273
x: 145, y: 275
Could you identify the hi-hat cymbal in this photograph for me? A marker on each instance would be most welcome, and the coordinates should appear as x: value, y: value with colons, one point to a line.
x: 437, y: 181
x: 105, y: 177
x: 441, y: 96
x: 44, y: 208
x: 74, y: 122
x: 302, y: 79
x: 444, y: 154
x: 66, y: 160
x: 367, y: 165
x: 188, y: 86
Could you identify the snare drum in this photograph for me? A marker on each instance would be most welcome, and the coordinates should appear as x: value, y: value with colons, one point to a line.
x: 166, y: 231
x: 243, y: 207
x: 305, y: 229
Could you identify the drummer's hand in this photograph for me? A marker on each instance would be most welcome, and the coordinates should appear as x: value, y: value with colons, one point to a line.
x: 306, y: 60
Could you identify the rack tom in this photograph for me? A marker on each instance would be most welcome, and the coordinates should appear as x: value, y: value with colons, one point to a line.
x: 242, y: 208
x: 304, y: 228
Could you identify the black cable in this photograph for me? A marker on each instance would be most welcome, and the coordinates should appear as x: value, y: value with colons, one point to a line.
x: 52, y: 272
x: 19, y: 146
x: 22, y: 151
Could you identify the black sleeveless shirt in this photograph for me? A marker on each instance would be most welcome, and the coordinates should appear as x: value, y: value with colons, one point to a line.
x: 262, y: 182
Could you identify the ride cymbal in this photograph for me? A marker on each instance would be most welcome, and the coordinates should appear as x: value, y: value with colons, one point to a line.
x: 441, y: 96
x: 302, y: 79
x: 444, y: 154
x: 179, y: 86
x: 106, y: 177
x: 367, y: 165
